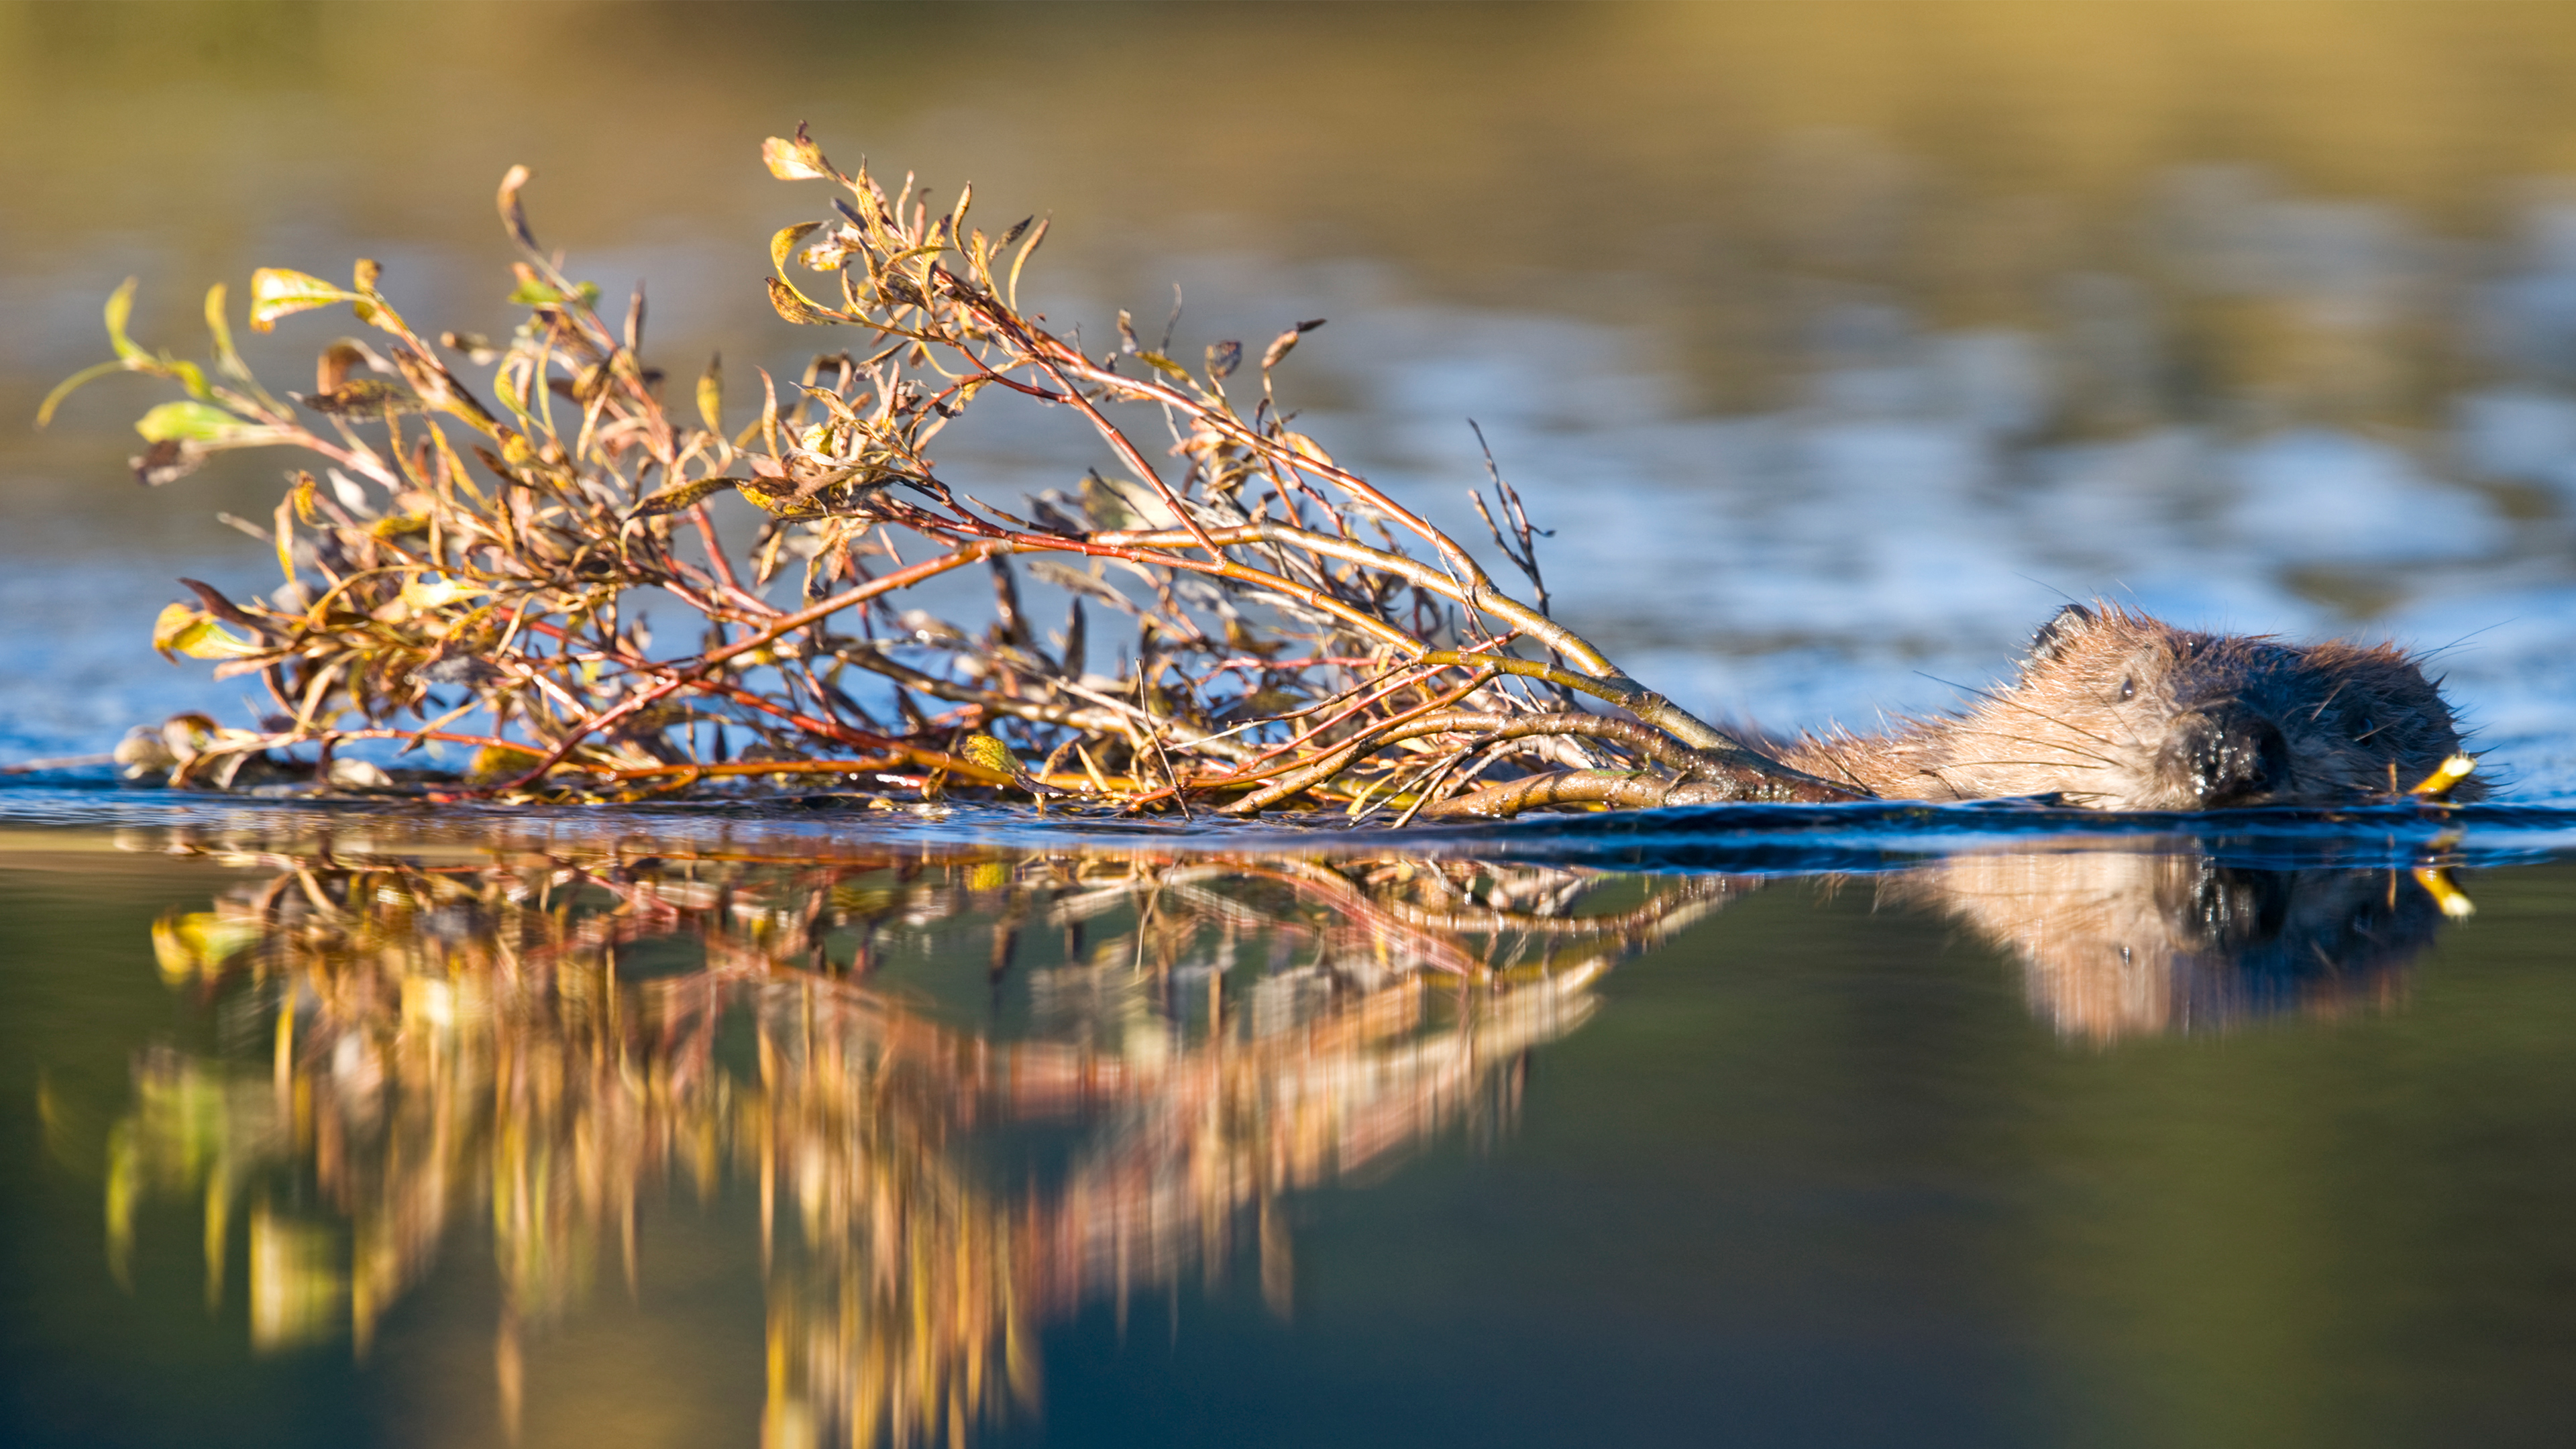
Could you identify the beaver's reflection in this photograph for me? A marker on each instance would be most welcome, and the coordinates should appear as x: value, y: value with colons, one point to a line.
x: 2115, y: 944
x: 538, y: 1039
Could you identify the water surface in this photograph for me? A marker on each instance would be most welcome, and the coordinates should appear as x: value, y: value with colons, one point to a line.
x: 1838, y: 344
x: 349, y: 1128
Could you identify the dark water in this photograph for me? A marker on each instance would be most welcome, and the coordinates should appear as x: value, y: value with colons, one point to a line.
x: 696, y: 1126
x: 1833, y: 341
x: 1837, y: 344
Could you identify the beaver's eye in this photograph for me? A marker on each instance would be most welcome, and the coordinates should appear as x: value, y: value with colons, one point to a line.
x: 2363, y: 729
x: 2129, y: 688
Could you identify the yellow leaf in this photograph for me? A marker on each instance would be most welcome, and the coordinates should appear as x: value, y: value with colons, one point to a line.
x: 711, y: 395
x: 797, y: 160
x: 492, y: 762
x: 796, y: 307
x: 439, y: 593
x: 227, y: 360
x: 680, y: 495
x: 783, y: 244
x: 991, y: 753
x: 199, y: 943
x: 195, y: 633
x: 1306, y: 447
x: 277, y: 292
x: 120, y: 306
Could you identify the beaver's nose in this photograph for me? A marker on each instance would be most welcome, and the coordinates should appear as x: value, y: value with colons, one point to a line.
x: 2226, y: 754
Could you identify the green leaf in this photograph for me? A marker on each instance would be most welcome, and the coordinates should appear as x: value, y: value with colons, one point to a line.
x: 584, y: 295
x: 190, y: 376
x: 179, y: 422
x: 277, y: 292
x: 120, y: 306
x: 65, y: 388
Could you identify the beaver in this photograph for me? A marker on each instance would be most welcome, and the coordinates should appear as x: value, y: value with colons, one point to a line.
x: 2115, y: 710
x: 2124, y: 943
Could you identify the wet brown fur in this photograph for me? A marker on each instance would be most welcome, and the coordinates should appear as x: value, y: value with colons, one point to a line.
x: 2115, y: 944
x: 2118, y: 711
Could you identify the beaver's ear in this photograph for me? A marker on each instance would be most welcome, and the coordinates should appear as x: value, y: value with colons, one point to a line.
x: 2054, y: 635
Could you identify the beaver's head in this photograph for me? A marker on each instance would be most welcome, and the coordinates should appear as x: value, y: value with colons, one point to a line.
x: 2125, y: 712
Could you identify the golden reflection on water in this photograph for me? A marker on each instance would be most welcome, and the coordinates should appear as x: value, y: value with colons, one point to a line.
x: 550, y: 1038
x: 473, y: 1039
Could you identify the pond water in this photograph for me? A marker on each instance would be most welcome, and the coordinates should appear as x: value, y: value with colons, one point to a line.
x: 1943, y: 1126
x: 1837, y: 344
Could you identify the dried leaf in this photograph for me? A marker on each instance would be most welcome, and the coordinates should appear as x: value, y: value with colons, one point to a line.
x: 335, y: 364
x: 1164, y: 365
x: 166, y: 462
x: 513, y: 215
x: 779, y: 498
x: 219, y: 606
x: 1223, y: 358
x: 1306, y: 447
x: 1075, y: 581
x: 366, y: 397
x: 680, y: 495
x: 796, y: 307
x: 833, y: 252
x: 1286, y: 342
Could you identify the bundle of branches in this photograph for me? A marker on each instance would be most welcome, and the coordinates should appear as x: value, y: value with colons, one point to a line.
x: 1300, y: 638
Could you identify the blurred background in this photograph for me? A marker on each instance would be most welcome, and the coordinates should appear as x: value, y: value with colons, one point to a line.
x: 1839, y: 343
